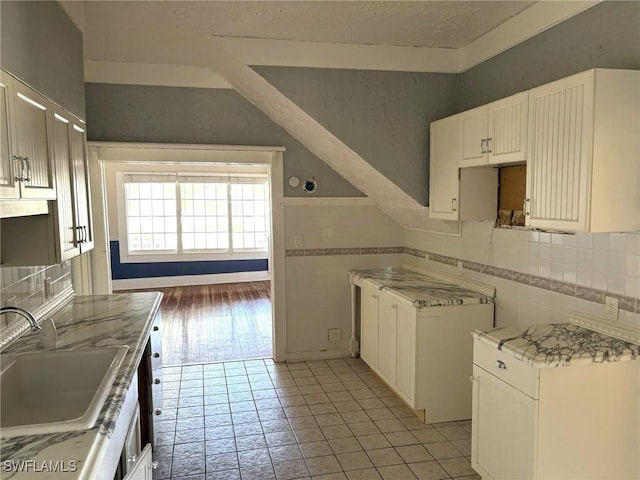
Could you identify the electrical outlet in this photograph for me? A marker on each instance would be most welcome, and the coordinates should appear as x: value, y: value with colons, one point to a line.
x: 334, y: 334
x: 298, y: 241
x: 459, y: 268
x: 611, y: 305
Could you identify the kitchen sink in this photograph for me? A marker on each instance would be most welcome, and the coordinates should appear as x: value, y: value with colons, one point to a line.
x: 56, y: 391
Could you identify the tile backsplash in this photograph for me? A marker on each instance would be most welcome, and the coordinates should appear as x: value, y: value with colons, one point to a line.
x: 25, y: 286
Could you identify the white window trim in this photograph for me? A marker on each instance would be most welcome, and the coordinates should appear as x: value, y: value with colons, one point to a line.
x: 169, y: 256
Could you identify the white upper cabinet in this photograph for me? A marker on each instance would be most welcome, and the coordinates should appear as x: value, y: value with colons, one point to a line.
x: 495, y: 133
x: 443, y: 173
x: 9, y: 187
x: 31, y: 142
x: 583, y: 165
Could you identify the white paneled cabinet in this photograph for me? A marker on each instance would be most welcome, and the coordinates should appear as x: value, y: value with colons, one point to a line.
x: 48, y: 139
x: 28, y: 127
x: 443, y: 173
x: 455, y: 194
x: 494, y: 133
x: 369, y: 325
x: 582, y: 167
x: 423, y: 354
x: 9, y: 188
x: 569, y: 422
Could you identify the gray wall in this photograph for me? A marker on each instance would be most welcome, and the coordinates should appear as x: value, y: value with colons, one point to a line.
x: 40, y: 45
x: 132, y: 113
x: 605, y: 36
x: 383, y: 116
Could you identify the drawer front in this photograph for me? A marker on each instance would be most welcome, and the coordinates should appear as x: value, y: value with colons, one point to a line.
x: 515, y: 372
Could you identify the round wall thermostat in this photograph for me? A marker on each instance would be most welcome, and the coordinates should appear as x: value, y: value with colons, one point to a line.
x: 294, y: 182
x: 310, y: 185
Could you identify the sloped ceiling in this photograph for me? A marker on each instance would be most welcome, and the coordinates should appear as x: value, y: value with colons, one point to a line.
x: 218, y: 41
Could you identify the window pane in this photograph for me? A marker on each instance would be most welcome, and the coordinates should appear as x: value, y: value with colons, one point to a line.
x: 204, y: 216
x: 250, y: 224
x: 151, y: 219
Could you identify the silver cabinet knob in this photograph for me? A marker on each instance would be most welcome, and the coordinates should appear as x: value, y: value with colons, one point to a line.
x: 156, y: 328
x: 500, y: 364
x: 154, y: 465
x: 156, y: 355
x: 156, y: 381
x: 132, y: 459
x: 157, y: 411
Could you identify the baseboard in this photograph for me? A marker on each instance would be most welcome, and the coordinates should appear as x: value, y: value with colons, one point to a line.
x: 185, y: 280
x: 317, y: 355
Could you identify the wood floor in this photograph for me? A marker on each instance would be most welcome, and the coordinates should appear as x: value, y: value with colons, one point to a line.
x: 212, y: 323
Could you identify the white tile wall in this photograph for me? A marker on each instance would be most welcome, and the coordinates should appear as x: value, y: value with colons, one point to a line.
x: 604, y: 261
x: 318, y: 293
x: 24, y: 286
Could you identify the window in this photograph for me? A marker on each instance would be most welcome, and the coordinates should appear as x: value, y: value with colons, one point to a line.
x: 192, y: 217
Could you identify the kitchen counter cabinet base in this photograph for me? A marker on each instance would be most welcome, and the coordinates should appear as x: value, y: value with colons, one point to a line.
x: 585, y: 424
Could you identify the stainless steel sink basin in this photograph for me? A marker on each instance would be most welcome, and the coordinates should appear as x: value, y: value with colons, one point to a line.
x: 58, y: 391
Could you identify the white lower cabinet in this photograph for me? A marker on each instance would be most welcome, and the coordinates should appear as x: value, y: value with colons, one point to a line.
x: 423, y: 354
x: 142, y: 469
x: 573, y: 422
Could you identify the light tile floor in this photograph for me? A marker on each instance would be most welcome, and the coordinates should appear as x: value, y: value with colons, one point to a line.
x: 330, y: 419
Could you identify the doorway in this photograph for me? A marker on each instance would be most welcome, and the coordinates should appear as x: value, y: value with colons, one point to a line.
x: 200, y: 313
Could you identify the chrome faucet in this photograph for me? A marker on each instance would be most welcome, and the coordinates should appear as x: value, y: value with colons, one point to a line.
x: 24, y: 313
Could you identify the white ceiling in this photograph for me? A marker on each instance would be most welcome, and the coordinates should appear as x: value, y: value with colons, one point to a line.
x: 171, y: 42
x: 443, y: 24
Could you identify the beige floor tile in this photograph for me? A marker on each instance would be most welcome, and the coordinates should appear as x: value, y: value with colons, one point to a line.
x: 442, y: 450
x: 354, y: 461
x: 323, y: 465
x: 396, y: 472
x: 391, y: 425
x: 464, y: 446
x: 329, y: 419
x: 372, y: 442
x: 384, y: 457
x: 399, y: 439
x: 364, y: 474
x: 345, y: 445
x: 290, y: 469
x: 414, y: 453
x: 285, y: 452
x: 382, y: 413
x: 430, y: 435
x: 428, y: 471
x: 364, y: 428
x: 315, y: 449
x: 304, y: 435
x: 336, y: 431
x: 453, y: 432
x: 457, y: 467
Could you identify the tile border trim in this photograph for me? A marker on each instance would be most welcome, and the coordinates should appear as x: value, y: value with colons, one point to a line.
x: 625, y: 302
x: 629, y: 304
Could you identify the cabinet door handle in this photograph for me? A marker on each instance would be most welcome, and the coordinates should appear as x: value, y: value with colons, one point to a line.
x: 482, y: 145
x: 472, y: 378
x: 157, y: 411
x: 373, y: 295
x: 156, y: 328
x: 156, y: 381
x: 525, y: 207
x: 28, y: 177
x: 156, y: 355
x: 454, y: 204
x: 501, y: 365
x: 132, y: 459
x: 488, y: 147
x: 85, y: 236
x: 19, y: 175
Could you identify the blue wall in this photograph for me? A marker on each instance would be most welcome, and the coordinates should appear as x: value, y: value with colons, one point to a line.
x: 121, y: 271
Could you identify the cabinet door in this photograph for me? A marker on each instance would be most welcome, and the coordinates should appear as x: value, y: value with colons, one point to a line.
x: 406, y: 351
x: 64, y: 210
x: 9, y: 169
x: 507, y: 140
x: 30, y: 113
x: 473, y: 135
x: 559, y: 153
x: 143, y: 467
x: 504, y: 429
x: 444, y: 170
x: 387, y: 331
x: 80, y: 168
x: 369, y: 325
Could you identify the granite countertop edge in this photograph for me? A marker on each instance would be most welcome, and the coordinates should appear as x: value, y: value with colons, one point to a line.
x: 582, y: 355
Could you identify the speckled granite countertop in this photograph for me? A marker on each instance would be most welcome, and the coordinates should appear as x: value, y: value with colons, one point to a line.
x: 86, y: 321
x: 558, y: 345
x: 422, y: 290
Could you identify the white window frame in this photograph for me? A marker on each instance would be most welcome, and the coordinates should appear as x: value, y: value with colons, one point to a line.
x: 192, y: 255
